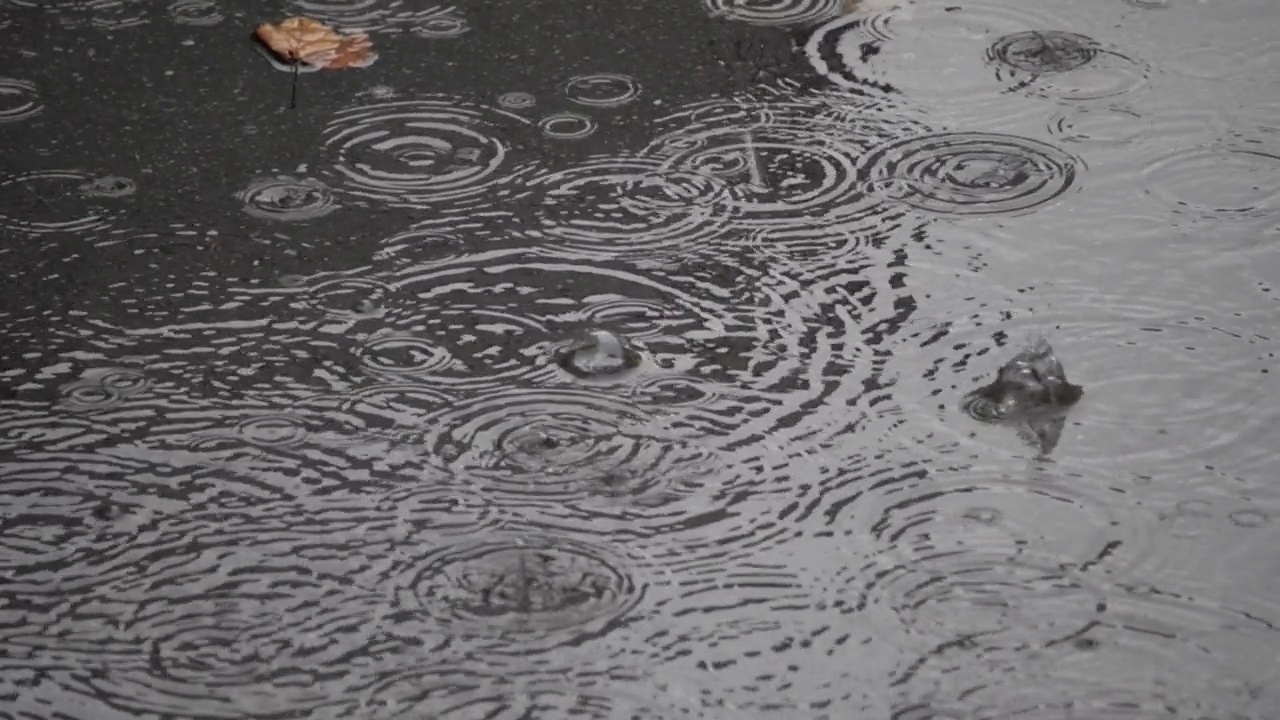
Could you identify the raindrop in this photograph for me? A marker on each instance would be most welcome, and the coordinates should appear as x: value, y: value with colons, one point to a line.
x: 441, y: 26
x: 201, y: 13
x: 971, y: 173
x: 421, y: 152
x: 775, y: 12
x: 518, y: 594
x: 602, y: 89
x: 18, y: 100
x: 1043, y: 51
x: 288, y: 199
x: 609, y: 206
x: 517, y: 100
x: 567, y: 126
x: 50, y: 201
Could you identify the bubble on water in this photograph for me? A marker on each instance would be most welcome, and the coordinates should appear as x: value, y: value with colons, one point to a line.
x: 567, y: 126
x: 775, y: 12
x: 200, y: 13
x: 18, y: 100
x: 517, y: 100
x: 971, y: 173
x: 598, y: 354
x: 112, y: 186
x: 602, y: 89
x: 287, y: 199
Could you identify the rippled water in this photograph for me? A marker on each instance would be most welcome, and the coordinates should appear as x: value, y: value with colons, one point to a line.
x: 653, y: 361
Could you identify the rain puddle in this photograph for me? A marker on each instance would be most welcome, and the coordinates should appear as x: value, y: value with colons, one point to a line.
x: 700, y: 359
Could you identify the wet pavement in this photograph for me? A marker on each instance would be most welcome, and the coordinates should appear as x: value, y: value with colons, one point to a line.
x: 589, y: 361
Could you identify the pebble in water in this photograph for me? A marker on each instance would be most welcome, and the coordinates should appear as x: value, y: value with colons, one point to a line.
x: 18, y: 100
x: 288, y: 199
x: 971, y: 173
x: 1030, y: 390
x: 420, y: 153
x: 598, y: 354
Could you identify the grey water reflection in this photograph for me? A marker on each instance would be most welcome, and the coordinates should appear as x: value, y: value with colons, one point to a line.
x: 657, y: 361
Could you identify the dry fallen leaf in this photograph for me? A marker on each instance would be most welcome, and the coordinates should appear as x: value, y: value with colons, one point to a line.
x: 303, y: 39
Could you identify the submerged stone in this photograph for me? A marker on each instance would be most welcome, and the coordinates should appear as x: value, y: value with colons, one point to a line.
x: 1032, y: 392
x: 597, y: 354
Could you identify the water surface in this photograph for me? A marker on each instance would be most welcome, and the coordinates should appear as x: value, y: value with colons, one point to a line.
x: 610, y: 362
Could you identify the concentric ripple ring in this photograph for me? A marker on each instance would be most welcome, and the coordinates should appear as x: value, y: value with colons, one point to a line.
x: 970, y: 173
x: 1043, y: 51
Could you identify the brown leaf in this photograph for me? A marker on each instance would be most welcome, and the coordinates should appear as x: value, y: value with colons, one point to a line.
x: 303, y: 39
